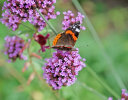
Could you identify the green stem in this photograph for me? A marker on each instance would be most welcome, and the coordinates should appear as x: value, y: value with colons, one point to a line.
x: 102, y: 82
x: 49, y: 46
x: 92, y: 90
x: 49, y: 24
x: 97, y: 39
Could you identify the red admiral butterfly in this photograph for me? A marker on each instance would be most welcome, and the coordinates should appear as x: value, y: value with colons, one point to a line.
x: 67, y: 39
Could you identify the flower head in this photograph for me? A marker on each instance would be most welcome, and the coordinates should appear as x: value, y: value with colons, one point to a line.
x: 62, y: 68
x: 70, y: 19
x: 42, y: 40
x: 13, y: 48
x: 25, y: 10
x: 124, y: 95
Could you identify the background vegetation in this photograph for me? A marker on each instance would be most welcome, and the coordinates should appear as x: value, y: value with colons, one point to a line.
x: 107, y: 60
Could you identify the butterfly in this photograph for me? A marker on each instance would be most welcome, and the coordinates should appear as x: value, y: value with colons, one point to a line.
x: 67, y: 39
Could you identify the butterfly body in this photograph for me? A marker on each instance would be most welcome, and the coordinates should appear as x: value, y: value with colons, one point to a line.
x: 67, y: 39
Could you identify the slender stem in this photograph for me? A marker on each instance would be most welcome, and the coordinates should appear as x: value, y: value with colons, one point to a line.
x: 102, y: 82
x: 49, y: 42
x: 49, y: 46
x: 49, y: 24
x: 97, y: 39
x: 92, y: 90
x: 30, y: 58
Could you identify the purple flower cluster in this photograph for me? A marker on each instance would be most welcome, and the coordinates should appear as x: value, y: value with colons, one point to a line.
x: 25, y: 10
x: 70, y: 19
x: 13, y: 47
x: 124, y: 95
x: 62, y: 68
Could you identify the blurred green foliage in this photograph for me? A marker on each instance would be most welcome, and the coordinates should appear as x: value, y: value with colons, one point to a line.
x: 111, y: 25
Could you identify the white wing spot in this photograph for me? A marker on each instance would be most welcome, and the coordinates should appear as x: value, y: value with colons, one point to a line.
x: 77, y: 30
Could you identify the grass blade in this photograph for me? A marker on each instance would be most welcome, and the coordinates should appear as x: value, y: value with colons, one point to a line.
x: 97, y: 39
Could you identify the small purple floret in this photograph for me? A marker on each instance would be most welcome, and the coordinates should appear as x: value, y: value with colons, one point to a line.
x: 70, y: 19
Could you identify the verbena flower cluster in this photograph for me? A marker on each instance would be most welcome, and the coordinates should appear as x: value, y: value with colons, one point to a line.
x: 62, y: 68
x: 42, y: 40
x: 124, y: 95
x: 17, y: 11
x: 70, y: 19
x: 13, y: 47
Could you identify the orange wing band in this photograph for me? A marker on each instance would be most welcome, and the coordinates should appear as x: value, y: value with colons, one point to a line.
x: 72, y: 34
x: 56, y: 39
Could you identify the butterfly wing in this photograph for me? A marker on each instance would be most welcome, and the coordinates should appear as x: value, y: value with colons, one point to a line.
x: 63, y: 42
x: 67, y: 40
